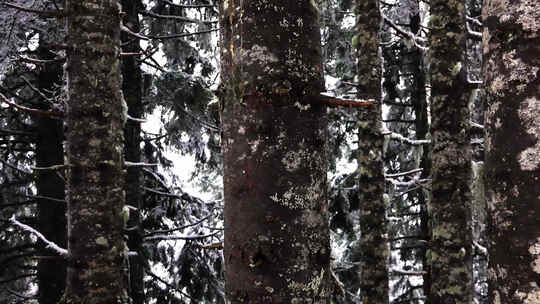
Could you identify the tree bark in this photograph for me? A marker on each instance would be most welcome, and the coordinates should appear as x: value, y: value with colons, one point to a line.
x: 274, y: 134
x: 450, y: 205
x: 132, y: 90
x: 95, y: 118
x: 512, y: 169
x: 373, y: 226
x: 51, y: 272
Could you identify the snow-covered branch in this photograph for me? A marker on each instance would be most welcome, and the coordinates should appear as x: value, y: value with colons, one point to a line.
x: 417, y: 40
x: 61, y: 251
x: 403, y: 139
x: 414, y: 181
x: 178, y: 237
x: 413, y: 171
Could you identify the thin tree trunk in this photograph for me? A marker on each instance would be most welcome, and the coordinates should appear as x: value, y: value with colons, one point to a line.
x: 51, y: 272
x: 450, y: 205
x: 132, y: 90
x: 276, y: 216
x: 95, y: 119
x: 373, y: 241
x: 420, y: 104
x: 512, y: 168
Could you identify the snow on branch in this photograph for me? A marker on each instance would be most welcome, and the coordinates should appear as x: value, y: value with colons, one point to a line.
x: 403, y: 139
x: 136, y: 119
x: 178, y: 237
x: 413, y: 171
x: 417, y: 40
x: 61, y: 251
x: 30, y: 110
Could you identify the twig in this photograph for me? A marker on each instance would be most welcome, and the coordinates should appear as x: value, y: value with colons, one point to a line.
x: 47, y: 14
x: 161, y: 192
x: 178, y: 228
x: 125, y: 29
x: 61, y: 251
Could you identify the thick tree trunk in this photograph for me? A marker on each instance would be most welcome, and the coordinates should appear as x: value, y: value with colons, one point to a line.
x: 95, y: 120
x: 276, y: 217
x: 450, y: 205
x: 132, y: 89
x: 512, y: 169
x: 51, y: 272
x: 373, y: 241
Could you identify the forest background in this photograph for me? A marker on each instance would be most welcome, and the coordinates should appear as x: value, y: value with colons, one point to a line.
x: 407, y: 177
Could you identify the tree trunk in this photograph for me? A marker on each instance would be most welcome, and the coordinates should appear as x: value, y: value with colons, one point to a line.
x: 95, y: 120
x: 512, y: 169
x: 420, y: 106
x: 274, y: 134
x: 373, y: 241
x: 450, y: 205
x: 132, y: 90
x: 51, y: 272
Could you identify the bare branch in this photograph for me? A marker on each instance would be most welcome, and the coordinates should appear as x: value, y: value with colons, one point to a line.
x: 47, y: 14
x: 54, y: 167
x: 126, y: 30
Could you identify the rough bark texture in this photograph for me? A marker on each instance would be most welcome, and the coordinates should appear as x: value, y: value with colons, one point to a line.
x: 450, y: 206
x: 511, y: 69
x: 276, y: 216
x: 373, y: 241
x: 95, y: 121
x: 132, y: 90
x: 51, y: 272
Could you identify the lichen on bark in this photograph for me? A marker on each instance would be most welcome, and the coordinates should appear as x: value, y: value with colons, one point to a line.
x: 512, y: 169
x: 373, y: 243
x: 450, y: 244
x: 276, y: 227
x: 95, y: 120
